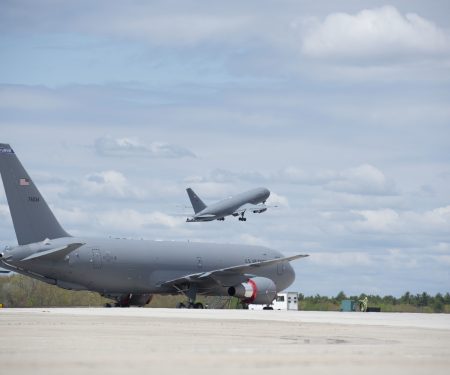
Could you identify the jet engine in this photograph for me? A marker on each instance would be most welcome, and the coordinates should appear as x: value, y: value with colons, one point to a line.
x: 259, y: 210
x: 258, y: 290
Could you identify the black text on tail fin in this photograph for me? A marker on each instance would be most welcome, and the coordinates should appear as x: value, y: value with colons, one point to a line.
x: 197, y: 203
x: 32, y: 218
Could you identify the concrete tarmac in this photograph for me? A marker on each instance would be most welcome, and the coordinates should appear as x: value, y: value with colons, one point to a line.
x: 170, y: 341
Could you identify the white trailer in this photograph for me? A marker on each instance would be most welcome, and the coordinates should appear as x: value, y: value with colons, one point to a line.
x: 284, y: 301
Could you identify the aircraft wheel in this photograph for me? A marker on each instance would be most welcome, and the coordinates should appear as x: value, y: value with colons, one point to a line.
x: 198, y: 305
x: 267, y: 308
x: 181, y: 305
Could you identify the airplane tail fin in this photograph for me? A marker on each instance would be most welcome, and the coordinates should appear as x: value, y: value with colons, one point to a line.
x: 32, y: 218
x: 197, y: 203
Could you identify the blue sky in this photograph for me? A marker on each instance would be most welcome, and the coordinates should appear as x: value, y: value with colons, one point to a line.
x: 340, y: 108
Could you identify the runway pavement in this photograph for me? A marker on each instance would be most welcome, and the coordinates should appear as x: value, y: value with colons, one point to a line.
x: 170, y: 341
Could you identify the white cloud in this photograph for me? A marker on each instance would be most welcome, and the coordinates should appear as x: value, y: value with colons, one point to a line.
x: 73, y: 217
x: 437, y: 219
x: 123, y: 147
x: 130, y: 220
x: 111, y: 183
x: 364, y: 179
x: 380, y: 33
x: 403, y: 222
x: 385, y: 220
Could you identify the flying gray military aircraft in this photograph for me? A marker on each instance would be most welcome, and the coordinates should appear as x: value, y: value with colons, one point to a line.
x: 128, y: 271
x: 236, y: 205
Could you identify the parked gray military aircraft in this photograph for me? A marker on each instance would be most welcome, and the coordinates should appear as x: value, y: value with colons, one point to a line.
x: 236, y: 205
x: 129, y: 271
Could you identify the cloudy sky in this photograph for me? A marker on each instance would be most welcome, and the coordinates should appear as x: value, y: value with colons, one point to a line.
x: 340, y: 108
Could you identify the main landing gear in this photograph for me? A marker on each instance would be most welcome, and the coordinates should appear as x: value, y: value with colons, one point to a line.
x: 242, y: 218
x: 197, y: 305
x: 191, y: 294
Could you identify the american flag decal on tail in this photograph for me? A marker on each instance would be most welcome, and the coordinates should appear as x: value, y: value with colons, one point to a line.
x: 24, y: 182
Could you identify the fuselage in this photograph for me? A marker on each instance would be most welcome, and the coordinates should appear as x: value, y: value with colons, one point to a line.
x: 112, y: 266
x: 232, y: 204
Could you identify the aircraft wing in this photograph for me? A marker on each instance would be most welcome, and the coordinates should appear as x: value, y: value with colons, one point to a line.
x: 227, y: 276
x: 54, y: 254
x: 201, y: 217
x: 205, y: 216
x: 255, y: 208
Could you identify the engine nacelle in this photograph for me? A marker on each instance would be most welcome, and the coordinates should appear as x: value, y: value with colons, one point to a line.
x: 258, y: 290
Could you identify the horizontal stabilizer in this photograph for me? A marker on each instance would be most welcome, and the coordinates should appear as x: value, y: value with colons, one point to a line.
x: 54, y: 254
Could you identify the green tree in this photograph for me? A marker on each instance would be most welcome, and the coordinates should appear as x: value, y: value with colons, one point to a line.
x: 340, y: 296
x: 438, y: 303
x: 406, y: 298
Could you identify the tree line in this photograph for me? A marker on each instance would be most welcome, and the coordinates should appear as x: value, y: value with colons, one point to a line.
x: 21, y: 291
x: 408, y: 302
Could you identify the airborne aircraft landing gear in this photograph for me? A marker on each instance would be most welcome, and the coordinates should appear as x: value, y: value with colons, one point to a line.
x: 242, y: 218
